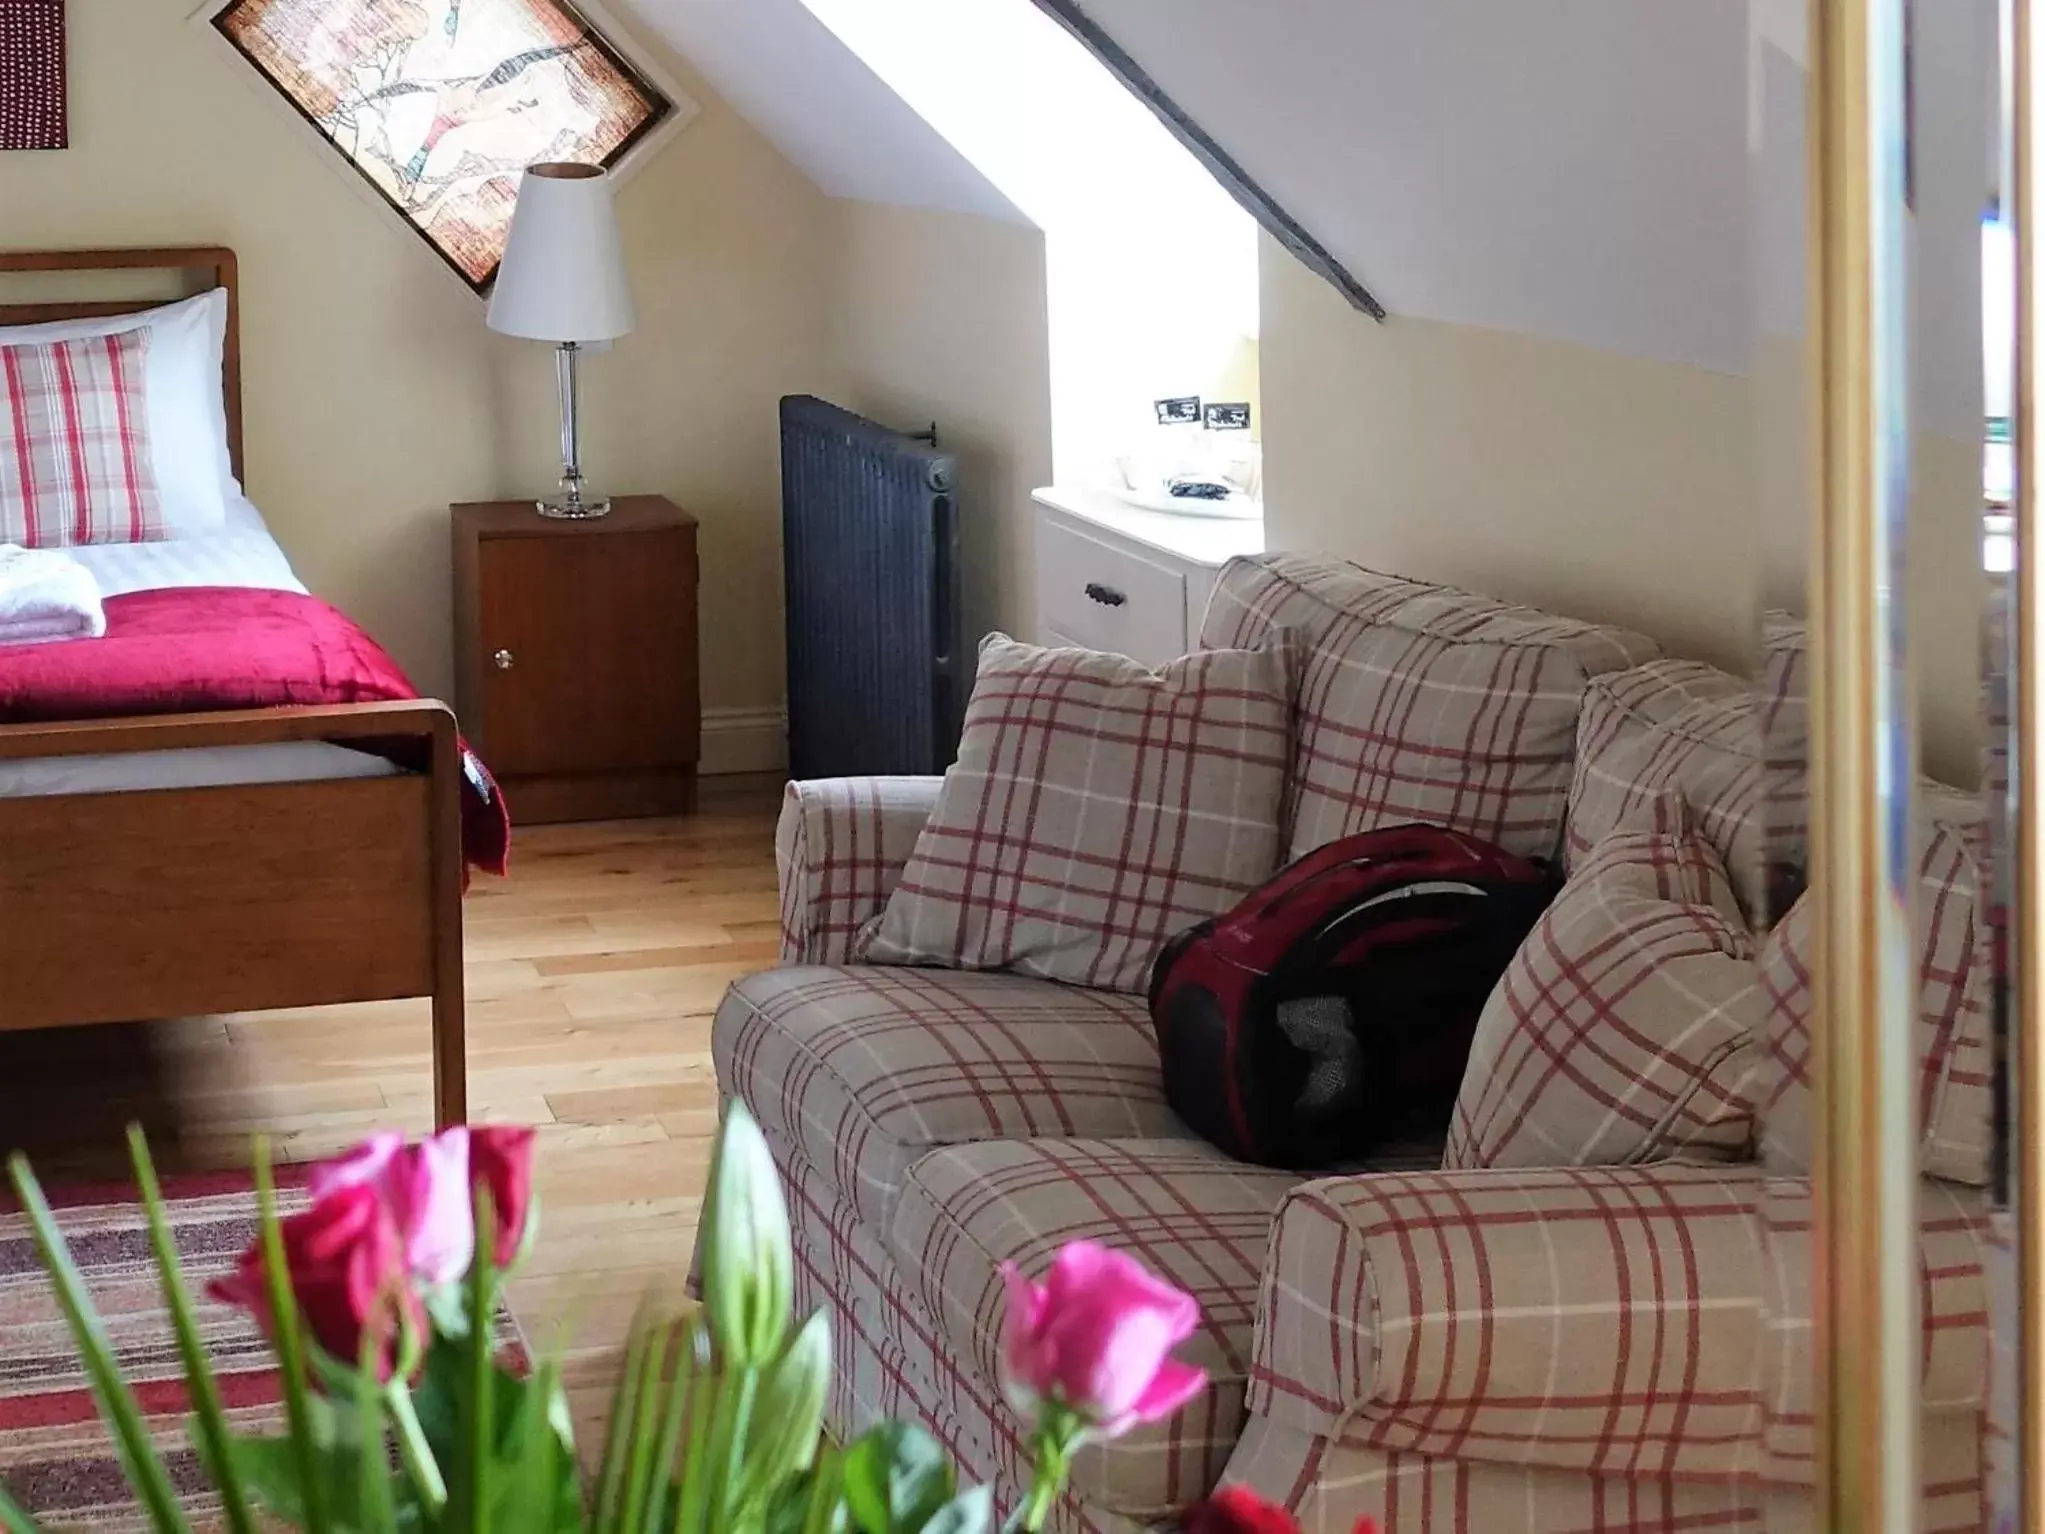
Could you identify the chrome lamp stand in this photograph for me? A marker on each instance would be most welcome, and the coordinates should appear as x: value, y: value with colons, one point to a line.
x: 570, y: 504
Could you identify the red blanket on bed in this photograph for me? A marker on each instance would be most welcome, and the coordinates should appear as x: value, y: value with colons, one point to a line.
x: 221, y: 647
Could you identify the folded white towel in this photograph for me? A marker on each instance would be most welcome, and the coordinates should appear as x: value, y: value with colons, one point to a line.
x: 46, y: 595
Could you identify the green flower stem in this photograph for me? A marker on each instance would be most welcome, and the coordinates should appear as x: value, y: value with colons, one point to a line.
x: 540, y: 1449
x: 288, y: 1341
x: 210, y: 1421
x: 139, y: 1459
x: 1060, y: 1433
x: 377, y: 1513
x: 736, y: 1391
x: 413, y: 1451
x: 13, y: 1517
x: 1043, y: 1492
x: 610, y: 1487
x: 693, y: 1476
x: 478, y: 1462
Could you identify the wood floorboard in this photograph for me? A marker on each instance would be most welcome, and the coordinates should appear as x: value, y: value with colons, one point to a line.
x: 592, y: 975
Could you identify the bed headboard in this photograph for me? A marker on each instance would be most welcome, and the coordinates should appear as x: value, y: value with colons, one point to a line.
x: 197, y: 268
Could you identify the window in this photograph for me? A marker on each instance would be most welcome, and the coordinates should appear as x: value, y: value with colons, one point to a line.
x: 1998, y: 351
x: 1152, y: 265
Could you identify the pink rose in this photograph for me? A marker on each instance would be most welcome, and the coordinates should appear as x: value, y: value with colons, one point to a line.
x: 502, y: 1161
x: 346, y: 1263
x: 426, y: 1189
x: 1096, y: 1337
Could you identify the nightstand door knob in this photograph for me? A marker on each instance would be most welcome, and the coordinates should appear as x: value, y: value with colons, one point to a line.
x: 503, y: 660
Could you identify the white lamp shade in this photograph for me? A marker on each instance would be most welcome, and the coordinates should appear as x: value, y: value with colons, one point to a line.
x: 563, y: 273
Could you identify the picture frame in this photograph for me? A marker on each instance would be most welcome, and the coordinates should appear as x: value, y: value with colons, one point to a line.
x: 413, y: 150
x: 34, y: 76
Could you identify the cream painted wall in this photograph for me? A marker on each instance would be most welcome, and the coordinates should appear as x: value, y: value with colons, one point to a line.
x: 1609, y: 487
x: 1661, y: 496
x: 374, y: 393
x: 941, y: 317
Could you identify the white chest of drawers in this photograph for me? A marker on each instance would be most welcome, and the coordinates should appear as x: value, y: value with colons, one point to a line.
x: 1113, y: 577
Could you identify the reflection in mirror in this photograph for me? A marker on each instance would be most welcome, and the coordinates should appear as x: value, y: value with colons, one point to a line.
x: 1781, y: 394
x: 1995, y: 842
x: 1779, y: 235
x: 1952, y: 71
x: 1958, y: 553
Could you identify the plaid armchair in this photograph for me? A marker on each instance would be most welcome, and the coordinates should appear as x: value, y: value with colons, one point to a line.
x: 1566, y: 1350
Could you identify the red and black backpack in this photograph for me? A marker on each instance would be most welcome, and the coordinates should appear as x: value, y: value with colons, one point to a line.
x: 1332, y: 1010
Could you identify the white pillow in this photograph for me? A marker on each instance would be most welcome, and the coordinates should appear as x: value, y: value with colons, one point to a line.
x: 183, y: 384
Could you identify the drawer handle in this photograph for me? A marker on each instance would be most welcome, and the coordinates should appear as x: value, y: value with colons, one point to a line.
x: 1107, y: 596
x: 503, y: 660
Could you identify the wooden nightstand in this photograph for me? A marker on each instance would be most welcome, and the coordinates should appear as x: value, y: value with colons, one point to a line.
x: 576, y: 659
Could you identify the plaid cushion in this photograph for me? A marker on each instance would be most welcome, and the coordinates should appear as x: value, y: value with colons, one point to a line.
x: 1671, y: 725
x: 1625, y: 1029
x: 1187, y: 1212
x: 1952, y: 1020
x: 1591, y: 1319
x: 1784, y: 708
x: 1787, y: 999
x: 1420, y: 702
x: 74, y: 444
x: 864, y: 1070
x: 1785, y: 749
x: 1096, y: 809
x: 840, y: 847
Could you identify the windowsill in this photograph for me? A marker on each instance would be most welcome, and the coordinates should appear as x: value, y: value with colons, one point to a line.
x: 1207, y: 539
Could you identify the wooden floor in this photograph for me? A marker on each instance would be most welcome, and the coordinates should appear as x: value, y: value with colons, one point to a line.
x: 592, y: 975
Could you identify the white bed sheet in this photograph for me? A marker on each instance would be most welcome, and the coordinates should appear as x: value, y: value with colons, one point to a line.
x: 242, y: 554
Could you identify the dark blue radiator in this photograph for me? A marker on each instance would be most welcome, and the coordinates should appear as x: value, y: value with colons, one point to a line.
x: 869, y: 522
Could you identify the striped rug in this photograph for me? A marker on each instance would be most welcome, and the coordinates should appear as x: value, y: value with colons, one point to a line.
x: 54, y: 1454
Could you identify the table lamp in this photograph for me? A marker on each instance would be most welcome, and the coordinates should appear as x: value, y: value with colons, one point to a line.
x: 562, y: 279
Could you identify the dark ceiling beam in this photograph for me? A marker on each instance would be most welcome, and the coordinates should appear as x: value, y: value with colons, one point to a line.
x: 1259, y: 203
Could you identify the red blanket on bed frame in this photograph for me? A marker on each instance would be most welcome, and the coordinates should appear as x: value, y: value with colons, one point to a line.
x: 204, y: 648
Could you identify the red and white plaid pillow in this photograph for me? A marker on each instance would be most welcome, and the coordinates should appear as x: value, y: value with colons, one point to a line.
x: 1096, y: 809
x: 1954, y: 1086
x: 74, y: 443
x: 1420, y: 702
x: 1626, y: 1029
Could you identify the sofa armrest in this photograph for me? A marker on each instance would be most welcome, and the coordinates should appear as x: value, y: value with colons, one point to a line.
x: 1601, y: 1319
x: 1954, y: 1238
x: 1629, y: 1320
x: 840, y: 847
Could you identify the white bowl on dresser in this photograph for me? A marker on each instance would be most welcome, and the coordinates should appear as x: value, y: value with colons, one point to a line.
x: 1112, y: 576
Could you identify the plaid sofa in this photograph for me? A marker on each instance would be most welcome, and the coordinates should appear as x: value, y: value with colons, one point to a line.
x: 1576, y: 1349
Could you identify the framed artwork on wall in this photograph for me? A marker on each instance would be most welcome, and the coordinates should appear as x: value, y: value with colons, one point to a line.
x: 440, y: 105
x: 33, y: 113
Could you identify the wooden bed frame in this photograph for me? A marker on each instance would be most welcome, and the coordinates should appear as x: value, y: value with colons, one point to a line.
x: 163, y: 903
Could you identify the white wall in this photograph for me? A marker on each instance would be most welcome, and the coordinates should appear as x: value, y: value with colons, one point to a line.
x: 826, y: 111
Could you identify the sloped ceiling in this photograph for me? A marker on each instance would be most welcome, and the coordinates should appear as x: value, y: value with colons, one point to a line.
x: 1576, y: 169
x: 834, y: 118
x: 1570, y: 168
